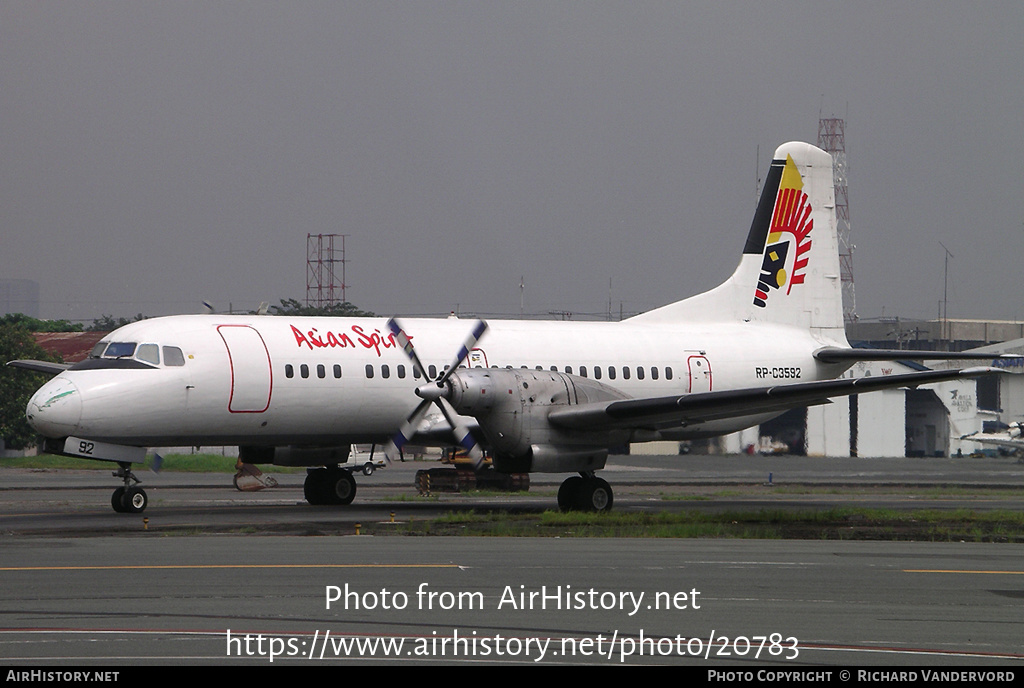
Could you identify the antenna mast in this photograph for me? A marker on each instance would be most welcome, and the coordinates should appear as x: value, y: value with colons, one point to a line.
x: 832, y: 139
x: 322, y: 286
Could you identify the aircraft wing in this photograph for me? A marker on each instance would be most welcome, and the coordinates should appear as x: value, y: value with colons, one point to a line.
x: 835, y: 354
x: 1003, y: 440
x: 666, y: 412
x: 40, y: 366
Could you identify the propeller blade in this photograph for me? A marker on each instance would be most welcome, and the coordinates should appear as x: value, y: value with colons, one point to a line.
x: 407, y: 347
x: 394, y: 447
x: 463, y: 436
x: 467, y: 346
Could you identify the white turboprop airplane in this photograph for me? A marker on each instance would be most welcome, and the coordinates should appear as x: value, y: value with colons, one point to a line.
x: 541, y: 396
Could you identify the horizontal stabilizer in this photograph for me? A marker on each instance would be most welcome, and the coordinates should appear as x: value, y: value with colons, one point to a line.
x: 40, y: 366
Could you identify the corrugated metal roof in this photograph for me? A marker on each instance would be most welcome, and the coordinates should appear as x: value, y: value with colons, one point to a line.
x: 71, y: 346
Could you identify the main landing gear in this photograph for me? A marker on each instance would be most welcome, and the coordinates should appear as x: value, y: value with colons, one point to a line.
x: 585, y: 492
x: 334, y: 485
x: 129, y: 498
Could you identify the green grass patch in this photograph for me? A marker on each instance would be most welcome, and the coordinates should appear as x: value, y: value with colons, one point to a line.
x: 844, y: 523
x: 52, y: 461
x: 181, y: 463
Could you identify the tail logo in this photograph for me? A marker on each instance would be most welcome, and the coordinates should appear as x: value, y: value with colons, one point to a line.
x: 792, y: 216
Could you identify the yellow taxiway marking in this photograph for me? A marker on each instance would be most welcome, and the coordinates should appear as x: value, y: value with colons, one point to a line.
x: 1005, y: 573
x: 230, y: 566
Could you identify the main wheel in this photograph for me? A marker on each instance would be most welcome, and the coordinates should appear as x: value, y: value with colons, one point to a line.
x: 567, y: 493
x: 315, y: 487
x: 343, y: 487
x: 594, y: 495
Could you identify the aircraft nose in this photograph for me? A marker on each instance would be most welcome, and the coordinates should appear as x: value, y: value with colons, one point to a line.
x: 56, y: 408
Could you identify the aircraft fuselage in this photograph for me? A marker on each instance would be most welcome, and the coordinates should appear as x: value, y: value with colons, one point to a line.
x: 272, y: 380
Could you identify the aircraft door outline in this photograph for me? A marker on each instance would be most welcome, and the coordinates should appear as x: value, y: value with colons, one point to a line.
x: 700, y: 373
x: 252, y: 376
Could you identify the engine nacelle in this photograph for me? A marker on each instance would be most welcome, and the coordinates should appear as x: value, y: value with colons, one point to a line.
x: 512, y: 407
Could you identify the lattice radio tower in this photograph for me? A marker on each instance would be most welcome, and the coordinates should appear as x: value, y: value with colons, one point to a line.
x: 832, y: 139
x: 322, y: 286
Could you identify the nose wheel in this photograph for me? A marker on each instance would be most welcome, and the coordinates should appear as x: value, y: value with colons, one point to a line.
x: 129, y: 498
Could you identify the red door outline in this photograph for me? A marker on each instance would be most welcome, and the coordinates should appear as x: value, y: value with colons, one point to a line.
x: 252, y: 376
x: 700, y: 373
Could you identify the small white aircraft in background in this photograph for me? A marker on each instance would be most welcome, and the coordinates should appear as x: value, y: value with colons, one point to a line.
x: 540, y: 396
x: 1011, y: 438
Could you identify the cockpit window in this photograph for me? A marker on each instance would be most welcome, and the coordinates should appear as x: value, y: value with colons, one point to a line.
x: 119, y: 350
x: 173, y: 356
x: 98, y: 350
x: 148, y: 353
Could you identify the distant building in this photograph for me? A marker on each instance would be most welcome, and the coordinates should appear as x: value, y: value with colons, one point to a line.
x: 19, y: 296
x: 932, y: 335
x: 927, y: 421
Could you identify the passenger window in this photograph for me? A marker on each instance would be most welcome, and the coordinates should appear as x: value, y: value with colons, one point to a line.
x: 611, y: 372
x: 148, y: 353
x: 173, y: 356
x: 654, y: 373
x: 597, y: 372
x: 639, y: 373
x: 668, y: 372
x: 321, y: 372
x: 304, y: 371
x: 369, y: 371
x: 401, y: 372
x: 625, y: 372
x: 289, y: 371
x: 432, y: 370
x: 583, y: 371
x: 337, y: 371
x: 568, y: 369
x: 385, y: 371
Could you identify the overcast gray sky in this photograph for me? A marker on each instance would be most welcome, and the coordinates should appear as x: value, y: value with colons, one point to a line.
x: 157, y: 154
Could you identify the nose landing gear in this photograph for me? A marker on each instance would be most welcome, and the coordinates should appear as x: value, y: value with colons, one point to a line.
x: 129, y: 498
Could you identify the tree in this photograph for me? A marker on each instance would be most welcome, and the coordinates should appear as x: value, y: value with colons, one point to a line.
x: 107, y: 323
x: 294, y: 308
x: 36, y: 325
x: 18, y: 385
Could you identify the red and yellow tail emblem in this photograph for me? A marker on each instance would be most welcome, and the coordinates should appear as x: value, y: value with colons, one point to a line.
x: 792, y: 216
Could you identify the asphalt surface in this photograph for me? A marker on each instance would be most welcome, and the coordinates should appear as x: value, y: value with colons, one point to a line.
x: 206, y: 580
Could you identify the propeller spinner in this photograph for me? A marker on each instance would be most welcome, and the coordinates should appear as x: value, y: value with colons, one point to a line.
x: 435, y: 392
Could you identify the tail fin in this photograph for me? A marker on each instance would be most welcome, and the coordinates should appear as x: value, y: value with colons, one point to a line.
x: 789, y: 272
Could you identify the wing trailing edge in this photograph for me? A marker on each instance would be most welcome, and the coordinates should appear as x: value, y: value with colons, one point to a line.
x: 688, y: 409
x: 835, y: 354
